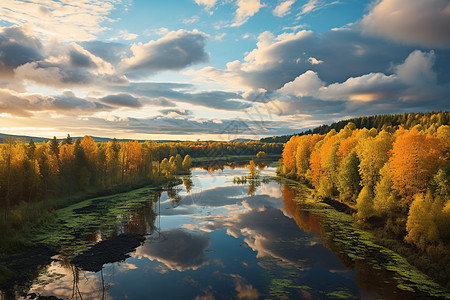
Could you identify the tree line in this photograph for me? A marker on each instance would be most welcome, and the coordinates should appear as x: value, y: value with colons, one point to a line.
x: 398, y: 180
x: 36, y: 171
x: 31, y: 172
x: 388, y: 122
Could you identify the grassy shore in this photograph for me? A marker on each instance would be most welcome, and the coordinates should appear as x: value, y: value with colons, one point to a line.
x: 16, y: 233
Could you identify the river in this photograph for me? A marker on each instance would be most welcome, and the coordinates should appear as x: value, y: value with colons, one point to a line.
x: 214, y: 237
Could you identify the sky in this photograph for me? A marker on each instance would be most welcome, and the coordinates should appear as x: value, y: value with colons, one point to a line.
x: 216, y: 69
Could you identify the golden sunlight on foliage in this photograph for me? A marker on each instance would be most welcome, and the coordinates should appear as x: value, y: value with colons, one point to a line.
x: 398, y: 177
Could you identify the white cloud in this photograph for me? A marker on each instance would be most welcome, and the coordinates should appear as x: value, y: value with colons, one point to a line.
x: 314, y: 61
x: 246, y: 9
x: 74, y: 20
x: 219, y: 37
x: 309, y: 6
x: 207, y: 3
x: 270, y: 52
x: 191, y: 20
x: 124, y: 34
x: 369, y: 87
x: 413, y: 80
x: 418, y: 22
x: 307, y: 84
x: 417, y: 69
x: 283, y: 8
x: 161, y: 31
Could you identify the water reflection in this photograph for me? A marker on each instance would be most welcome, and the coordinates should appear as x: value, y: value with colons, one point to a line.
x: 178, y: 250
x: 208, y: 238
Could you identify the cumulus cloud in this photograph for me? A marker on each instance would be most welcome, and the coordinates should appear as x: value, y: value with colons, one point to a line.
x: 283, y: 8
x: 369, y: 87
x: 307, y: 84
x: 277, y: 60
x: 73, y: 66
x: 246, y: 9
x: 66, y: 20
x: 417, y: 69
x: 420, y: 22
x: 23, y: 56
x: 17, y: 47
x: 175, y: 51
x: 413, y: 84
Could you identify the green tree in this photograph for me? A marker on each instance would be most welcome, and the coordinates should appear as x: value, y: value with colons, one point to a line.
x: 68, y: 140
x: 349, y: 179
x: 31, y: 148
x: 54, y: 146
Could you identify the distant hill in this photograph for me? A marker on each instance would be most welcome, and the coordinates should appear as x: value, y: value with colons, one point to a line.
x: 376, y: 121
x: 241, y: 140
x: 97, y: 139
x: 23, y: 137
x: 42, y: 139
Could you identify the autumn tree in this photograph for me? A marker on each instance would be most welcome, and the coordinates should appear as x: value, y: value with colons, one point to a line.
x: 422, y: 224
x: 373, y: 153
x: 364, y: 205
x: 187, y: 162
x: 414, y: 160
x: 261, y: 155
x: 289, y: 153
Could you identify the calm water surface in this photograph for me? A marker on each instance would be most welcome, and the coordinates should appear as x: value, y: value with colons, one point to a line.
x: 212, y: 239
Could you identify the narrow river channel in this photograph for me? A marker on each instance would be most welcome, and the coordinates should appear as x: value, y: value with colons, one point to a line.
x: 215, y: 237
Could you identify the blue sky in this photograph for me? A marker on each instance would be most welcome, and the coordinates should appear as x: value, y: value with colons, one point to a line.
x: 212, y: 69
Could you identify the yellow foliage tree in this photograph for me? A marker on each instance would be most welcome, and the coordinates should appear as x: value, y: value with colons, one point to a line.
x: 414, y: 160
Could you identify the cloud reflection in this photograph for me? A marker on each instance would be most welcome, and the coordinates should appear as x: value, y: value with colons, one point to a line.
x: 177, y: 249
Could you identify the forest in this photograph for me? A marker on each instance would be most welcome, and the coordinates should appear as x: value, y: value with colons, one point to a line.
x: 396, y: 180
x: 387, y: 122
x: 31, y: 172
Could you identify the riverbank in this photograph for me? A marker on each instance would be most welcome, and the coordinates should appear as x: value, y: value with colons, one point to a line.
x: 67, y: 231
x: 370, y: 247
x: 16, y: 232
